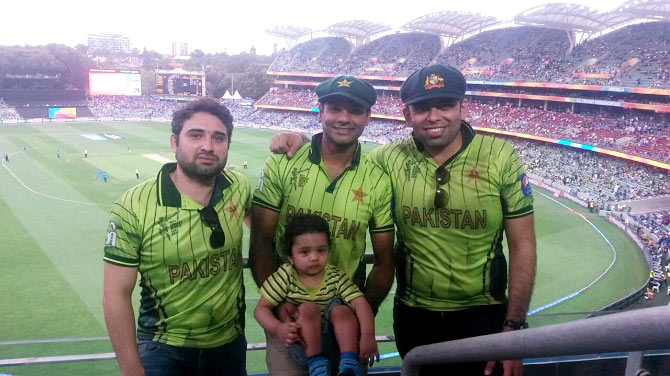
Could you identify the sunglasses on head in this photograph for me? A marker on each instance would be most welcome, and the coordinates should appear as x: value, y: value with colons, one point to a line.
x: 211, y: 219
x: 442, y: 177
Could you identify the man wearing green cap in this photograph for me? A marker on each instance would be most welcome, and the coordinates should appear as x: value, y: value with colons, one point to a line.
x: 455, y: 193
x: 328, y: 177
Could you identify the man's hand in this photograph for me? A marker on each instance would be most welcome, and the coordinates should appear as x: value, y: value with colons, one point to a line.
x: 368, y: 350
x: 510, y: 367
x: 287, y: 332
x: 287, y: 143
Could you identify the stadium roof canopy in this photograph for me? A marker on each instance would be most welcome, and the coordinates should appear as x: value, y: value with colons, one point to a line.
x: 646, y: 9
x: 359, y: 29
x: 451, y: 24
x: 571, y: 17
x: 288, y: 31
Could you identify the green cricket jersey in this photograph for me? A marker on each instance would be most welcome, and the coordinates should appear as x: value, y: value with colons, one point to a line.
x: 451, y: 258
x: 192, y: 295
x: 357, y: 200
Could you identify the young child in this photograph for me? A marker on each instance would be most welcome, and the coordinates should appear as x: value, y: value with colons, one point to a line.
x: 327, y: 301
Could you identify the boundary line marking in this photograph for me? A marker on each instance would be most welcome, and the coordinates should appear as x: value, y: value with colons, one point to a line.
x: 574, y: 294
x: 46, y: 195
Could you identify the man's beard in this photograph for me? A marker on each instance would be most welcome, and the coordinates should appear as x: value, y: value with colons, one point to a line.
x: 194, y: 171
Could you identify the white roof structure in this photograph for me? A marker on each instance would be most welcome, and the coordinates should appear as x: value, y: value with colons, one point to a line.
x: 571, y: 17
x: 357, y: 29
x: 289, y: 31
x: 646, y: 9
x: 451, y: 24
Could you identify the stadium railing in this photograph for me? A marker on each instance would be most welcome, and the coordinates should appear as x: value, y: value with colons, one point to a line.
x: 633, y: 331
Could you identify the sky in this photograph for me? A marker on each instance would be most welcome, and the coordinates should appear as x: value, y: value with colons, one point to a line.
x: 218, y: 26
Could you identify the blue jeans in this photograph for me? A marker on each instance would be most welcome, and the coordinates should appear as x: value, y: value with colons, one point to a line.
x: 166, y: 360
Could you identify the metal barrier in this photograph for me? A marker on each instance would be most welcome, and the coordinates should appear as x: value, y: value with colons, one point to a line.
x: 639, y: 330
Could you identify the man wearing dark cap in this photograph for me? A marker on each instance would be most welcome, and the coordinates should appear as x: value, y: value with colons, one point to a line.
x: 455, y: 193
x: 328, y: 177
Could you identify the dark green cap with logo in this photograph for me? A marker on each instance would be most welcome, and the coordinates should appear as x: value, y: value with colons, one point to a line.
x: 433, y: 82
x: 348, y: 87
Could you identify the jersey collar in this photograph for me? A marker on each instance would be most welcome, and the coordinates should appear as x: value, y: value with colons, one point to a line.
x: 315, y: 152
x: 168, y: 195
x: 467, y: 134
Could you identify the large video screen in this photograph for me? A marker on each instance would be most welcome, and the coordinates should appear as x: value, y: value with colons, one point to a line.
x: 62, y: 112
x: 114, y: 82
x: 179, y: 84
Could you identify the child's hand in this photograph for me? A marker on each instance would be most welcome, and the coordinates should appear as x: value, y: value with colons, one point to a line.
x: 287, y: 312
x: 369, y: 351
x: 288, y: 333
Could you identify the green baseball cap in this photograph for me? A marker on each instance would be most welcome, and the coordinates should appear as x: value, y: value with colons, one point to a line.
x: 348, y: 87
x: 431, y: 82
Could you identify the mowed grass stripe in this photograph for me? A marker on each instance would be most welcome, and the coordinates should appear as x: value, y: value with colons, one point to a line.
x: 34, y: 290
x: 69, y: 235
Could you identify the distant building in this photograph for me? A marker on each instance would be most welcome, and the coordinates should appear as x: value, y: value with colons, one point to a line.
x: 108, y: 42
x: 179, y: 49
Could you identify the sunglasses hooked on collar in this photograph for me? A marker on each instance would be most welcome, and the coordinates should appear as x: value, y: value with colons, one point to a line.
x: 442, y: 177
x: 211, y: 219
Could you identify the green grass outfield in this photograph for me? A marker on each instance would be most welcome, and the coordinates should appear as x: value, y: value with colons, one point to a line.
x: 54, y: 213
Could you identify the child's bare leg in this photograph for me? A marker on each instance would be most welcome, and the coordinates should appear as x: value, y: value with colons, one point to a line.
x: 309, y: 320
x: 345, y: 325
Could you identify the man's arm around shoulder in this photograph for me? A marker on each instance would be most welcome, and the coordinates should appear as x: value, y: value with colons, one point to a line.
x: 287, y: 143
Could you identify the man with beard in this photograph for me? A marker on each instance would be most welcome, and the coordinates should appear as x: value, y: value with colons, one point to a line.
x: 182, y: 232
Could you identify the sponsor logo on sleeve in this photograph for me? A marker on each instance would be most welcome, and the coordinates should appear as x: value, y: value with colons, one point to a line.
x: 525, y: 185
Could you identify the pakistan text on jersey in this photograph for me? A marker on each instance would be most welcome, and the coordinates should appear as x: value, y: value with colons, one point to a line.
x: 445, y: 218
x: 205, y: 267
x: 341, y: 227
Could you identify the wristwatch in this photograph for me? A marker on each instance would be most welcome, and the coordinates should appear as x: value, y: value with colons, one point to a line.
x: 516, y: 324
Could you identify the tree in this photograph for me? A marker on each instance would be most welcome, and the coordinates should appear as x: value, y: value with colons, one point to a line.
x: 254, y: 82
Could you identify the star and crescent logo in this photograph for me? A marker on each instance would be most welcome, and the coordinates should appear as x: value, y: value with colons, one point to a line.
x: 474, y: 175
x: 344, y: 83
x: 232, y: 209
x: 358, y: 194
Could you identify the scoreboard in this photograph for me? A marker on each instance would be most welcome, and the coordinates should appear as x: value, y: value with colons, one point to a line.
x: 114, y: 82
x: 180, y: 83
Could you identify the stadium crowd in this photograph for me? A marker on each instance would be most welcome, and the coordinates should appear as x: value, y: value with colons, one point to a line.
x: 392, y: 55
x: 527, y: 53
x: 8, y: 113
x: 143, y: 107
x: 658, y: 225
x: 301, y: 98
x: 636, y: 56
x: 316, y: 55
x: 633, y: 133
x: 592, y: 176
x: 629, y: 134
